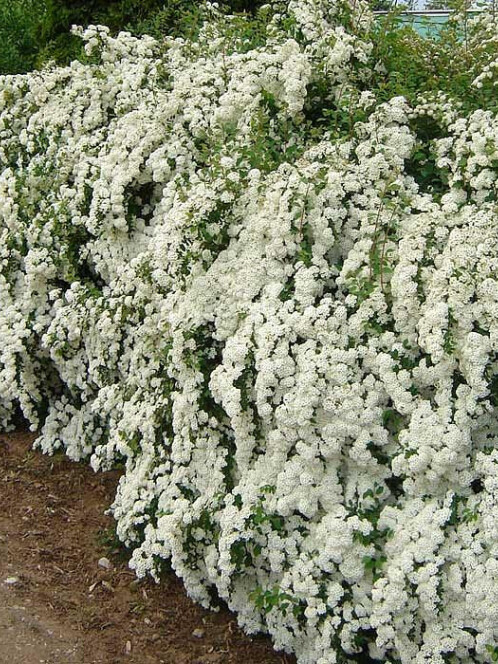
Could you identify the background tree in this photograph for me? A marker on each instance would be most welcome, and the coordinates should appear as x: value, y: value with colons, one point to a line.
x: 34, y: 31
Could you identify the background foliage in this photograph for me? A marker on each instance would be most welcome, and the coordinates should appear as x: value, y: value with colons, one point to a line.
x: 34, y: 31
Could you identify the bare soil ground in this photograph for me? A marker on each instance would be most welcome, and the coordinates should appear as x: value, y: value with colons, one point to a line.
x: 57, y: 606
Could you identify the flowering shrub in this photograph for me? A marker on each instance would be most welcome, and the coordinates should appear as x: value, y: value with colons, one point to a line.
x: 270, y: 295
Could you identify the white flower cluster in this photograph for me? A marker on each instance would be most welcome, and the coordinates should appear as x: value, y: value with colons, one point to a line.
x: 288, y: 343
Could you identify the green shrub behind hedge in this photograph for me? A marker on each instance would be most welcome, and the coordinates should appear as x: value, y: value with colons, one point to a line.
x: 34, y: 31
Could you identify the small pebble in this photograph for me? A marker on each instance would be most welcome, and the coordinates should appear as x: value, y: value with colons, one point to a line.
x: 12, y: 580
x: 198, y: 633
x: 105, y: 563
x: 128, y: 647
x: 147, y: 621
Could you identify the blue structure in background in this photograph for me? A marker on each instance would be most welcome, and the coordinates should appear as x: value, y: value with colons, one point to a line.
x: 426, y: 23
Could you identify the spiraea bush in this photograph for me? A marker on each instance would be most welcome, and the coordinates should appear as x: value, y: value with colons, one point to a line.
x: 258, y: 270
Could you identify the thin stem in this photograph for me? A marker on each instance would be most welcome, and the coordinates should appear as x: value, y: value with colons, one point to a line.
x: 384, y: 242
x: 301, y: 220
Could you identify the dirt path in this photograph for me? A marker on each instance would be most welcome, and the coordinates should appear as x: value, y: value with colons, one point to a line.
x: 58, y: 606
